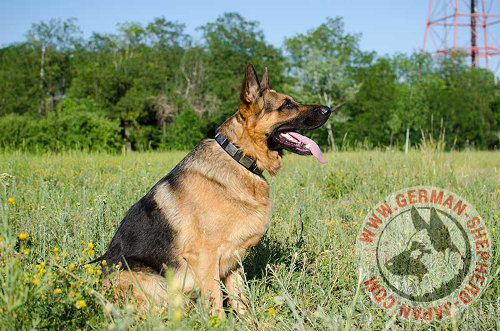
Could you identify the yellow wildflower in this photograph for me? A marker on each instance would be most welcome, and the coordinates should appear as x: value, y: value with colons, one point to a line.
x: 80, y: 304
x: 90, y: 271
x: 11, y: 200
x: 63, y: 254
x: 58, y: 291
x: 90, y: 246
x: 103, y: 262
x: 361, y: 213
x: 71, y: 267
x: 23, y: 235
x: 36, y: 281
x: 42, y: 264
x: 178, y: 315
x: 99, y: 272
x: 498, y: 191
x: 56, y: 249
x: 271, y: 311
x: 493, y: 230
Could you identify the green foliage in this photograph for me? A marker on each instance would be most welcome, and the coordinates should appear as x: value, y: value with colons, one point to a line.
x: 231, y: 42
x: 14, y: 129
x: 331, y: 40
x: 144, y: 76
x: 19, y: 88
x: 465, y: 105
x: 372, y: 110
x: 72, y: 105
x: 185, y: 130
x: 60, y: 131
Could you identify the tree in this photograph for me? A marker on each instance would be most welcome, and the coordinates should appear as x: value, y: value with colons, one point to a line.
x: 465, y: 103
x: 374, y: 105
x: 164, y: 34
x: 231, y: 41
x: 56, y: 40
x: 128, y: 110
x: 329, y: 39
x: 320, y: 64
x: 150, y: 80
x: 19, y: 86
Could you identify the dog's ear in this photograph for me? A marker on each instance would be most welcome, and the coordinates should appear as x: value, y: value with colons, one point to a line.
x: 264, y: 83
x: 250, y: 87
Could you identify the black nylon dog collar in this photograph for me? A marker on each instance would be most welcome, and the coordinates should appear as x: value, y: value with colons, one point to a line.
x: 237, y: 154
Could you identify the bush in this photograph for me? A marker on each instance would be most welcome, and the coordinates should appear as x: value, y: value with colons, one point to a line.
x: 145, y: 138
x: 60, y: 131
x: 14, y: 129
x: 185, y: 131
x: 77, y: 105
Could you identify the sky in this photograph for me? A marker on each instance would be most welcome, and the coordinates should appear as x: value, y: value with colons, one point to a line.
x: 387, y: 26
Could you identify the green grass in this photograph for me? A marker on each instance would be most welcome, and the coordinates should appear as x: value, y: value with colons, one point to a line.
x: 302, y: 275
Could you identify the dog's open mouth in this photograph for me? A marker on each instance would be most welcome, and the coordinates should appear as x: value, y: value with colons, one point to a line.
x: 299, y: 144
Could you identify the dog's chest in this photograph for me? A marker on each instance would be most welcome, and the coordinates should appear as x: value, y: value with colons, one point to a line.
x: 246, y: 223
x: 240, y: 227
x: 245, y: 230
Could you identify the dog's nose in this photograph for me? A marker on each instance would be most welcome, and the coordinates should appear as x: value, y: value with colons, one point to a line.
x: 325, y: 110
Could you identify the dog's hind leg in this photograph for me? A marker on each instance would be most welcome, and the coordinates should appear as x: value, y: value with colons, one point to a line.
x: 146, y: 287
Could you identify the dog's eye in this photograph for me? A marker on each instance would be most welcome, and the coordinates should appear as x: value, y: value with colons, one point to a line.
x: 287, y: 104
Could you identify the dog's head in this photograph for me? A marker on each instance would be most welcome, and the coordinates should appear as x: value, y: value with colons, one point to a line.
x: 272, y: 119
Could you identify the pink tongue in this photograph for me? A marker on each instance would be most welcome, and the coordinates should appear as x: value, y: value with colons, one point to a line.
x: 313, y: 147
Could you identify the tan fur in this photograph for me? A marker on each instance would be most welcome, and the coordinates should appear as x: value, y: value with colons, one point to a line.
x: 146, y: 287
x: 218, y: 213
x: 219, y: 209
x: 249, y: 131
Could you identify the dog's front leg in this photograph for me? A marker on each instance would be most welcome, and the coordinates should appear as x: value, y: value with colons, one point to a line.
x: 234, y: 284
x: 209, y: 278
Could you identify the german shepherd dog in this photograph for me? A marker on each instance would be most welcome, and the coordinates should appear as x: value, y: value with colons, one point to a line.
x: 202, y: 217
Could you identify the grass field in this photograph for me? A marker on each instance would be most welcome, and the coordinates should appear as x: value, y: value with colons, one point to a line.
x: 302, y: 275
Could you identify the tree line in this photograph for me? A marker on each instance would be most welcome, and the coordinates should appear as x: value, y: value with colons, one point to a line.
x: 155, y: 87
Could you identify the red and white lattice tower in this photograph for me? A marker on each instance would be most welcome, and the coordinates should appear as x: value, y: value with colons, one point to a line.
x: 468, y: 26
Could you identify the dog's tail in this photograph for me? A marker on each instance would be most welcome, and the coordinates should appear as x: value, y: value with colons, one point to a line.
x: 112, y: 257
x: 99, y: 259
